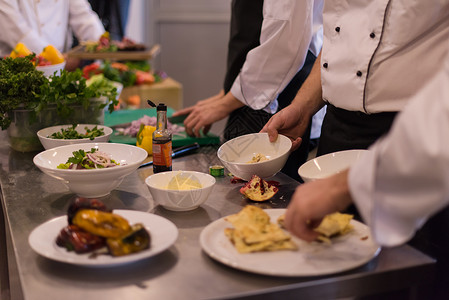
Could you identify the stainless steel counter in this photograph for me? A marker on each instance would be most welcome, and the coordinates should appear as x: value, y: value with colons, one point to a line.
x: 184, y: 271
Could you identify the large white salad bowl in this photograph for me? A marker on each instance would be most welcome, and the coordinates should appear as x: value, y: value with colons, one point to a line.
x: 91, y: 183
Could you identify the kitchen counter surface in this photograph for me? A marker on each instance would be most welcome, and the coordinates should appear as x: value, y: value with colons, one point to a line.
x: 184, y: 271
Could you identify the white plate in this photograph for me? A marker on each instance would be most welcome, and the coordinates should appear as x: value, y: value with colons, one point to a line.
x: 162, y: 231
x: 312, y: 259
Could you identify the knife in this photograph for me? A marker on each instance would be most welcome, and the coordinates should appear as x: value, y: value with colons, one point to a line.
x: 173, y: 120
x: 176, y: 153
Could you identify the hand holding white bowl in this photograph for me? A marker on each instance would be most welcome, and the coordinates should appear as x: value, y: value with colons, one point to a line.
x: 236, y: 153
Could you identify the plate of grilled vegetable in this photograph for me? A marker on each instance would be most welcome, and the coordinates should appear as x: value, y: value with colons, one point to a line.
x: 93, y: 235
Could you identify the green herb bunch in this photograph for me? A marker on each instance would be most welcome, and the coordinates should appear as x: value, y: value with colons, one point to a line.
x: 22, y: 86
x: 71, y: 133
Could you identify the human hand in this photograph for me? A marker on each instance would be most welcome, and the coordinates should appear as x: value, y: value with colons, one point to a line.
x: 292, y: 122
x: 312, y: 201
x: 206, y: 112
x: 187, y: 110
x: 72, y: 63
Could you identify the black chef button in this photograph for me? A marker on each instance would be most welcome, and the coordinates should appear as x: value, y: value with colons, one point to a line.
x: 359, y: 73
x: 337, y: 29
x: 372, y: 35
x: 325, y: 65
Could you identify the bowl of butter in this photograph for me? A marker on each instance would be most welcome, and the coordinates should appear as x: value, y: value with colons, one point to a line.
x: 180, y: 190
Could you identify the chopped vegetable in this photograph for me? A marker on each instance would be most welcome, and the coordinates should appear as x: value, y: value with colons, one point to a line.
x: 92, y: 159
x: 70, y: 133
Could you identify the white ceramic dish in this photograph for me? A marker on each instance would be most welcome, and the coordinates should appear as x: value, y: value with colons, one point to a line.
x: 179, y: 200
x: 49, y: 143
x: 162, y: 231
x: 236, y: 153
x: 329, y: 164
x: 94, y: 182
x: 312, y: 259
x: 51, y: 69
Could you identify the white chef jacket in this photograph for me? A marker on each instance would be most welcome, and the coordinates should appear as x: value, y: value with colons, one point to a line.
x: 290, y: 28
x: 377, y: 54
x: 404, y: 179
x: 38, y: 23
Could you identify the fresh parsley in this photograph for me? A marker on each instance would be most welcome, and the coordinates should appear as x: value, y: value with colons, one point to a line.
x: 70, y: 133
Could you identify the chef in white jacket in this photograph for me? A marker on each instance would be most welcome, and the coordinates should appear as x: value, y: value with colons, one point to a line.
x: 290, y: 29
x: 398, y: 185
x: 375, y: 56
x: 38, y: 23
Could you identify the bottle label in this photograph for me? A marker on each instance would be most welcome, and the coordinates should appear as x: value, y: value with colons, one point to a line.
x: 162, y: 154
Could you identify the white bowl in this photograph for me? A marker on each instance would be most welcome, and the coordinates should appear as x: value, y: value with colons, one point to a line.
x: 49, y: 143
x: 329, y: 164
x: 94, y: 182
x: 179, y: 200
x: 236, y: 153
x: 51, y: 69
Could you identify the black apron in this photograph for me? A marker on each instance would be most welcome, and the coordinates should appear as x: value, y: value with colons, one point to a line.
x: 345, y: 130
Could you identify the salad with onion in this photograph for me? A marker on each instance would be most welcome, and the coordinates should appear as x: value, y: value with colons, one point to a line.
x: 93, y: 159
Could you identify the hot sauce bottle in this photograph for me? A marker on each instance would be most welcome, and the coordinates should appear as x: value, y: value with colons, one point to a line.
x: 162, y: 142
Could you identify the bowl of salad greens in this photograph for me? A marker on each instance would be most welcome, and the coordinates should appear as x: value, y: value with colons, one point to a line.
x: 62, y: 135
x: 91, y: 170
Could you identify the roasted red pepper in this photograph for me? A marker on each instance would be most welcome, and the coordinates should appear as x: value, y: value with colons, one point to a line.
x: 75, y: 239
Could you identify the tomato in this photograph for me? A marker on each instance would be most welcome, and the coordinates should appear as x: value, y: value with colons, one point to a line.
x: 90, y: 70
x: 144, y: 77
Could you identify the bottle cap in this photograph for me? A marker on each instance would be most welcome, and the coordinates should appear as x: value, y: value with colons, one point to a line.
x: 161, y: 107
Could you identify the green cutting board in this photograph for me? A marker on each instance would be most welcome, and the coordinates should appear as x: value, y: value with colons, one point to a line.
x: 126, y: 116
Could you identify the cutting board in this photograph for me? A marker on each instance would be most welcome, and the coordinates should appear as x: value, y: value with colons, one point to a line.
x: 126, y: 116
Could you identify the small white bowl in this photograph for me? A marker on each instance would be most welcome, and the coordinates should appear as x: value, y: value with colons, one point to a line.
x: 179, y: 200
x: 51, y: 69
x: 50, y: 143
x: 94, y: 182
x: 236, y: 153
x: 329, y: 164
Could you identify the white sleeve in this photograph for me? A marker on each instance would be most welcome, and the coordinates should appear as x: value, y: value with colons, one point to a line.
x: 84, y: 22
x: 287, y: 31
x: 15, y: 28
x: 404, y: 179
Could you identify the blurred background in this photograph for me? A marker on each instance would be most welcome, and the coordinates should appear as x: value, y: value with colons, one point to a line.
x: 193, y: 36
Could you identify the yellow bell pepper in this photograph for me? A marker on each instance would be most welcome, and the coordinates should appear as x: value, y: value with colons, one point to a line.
x: 102, y: 223
x: 145, y: 138
x: 20, y: 50
x: 52, y: 54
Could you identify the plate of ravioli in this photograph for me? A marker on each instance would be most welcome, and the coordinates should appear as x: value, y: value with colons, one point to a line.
x: 254, y: 240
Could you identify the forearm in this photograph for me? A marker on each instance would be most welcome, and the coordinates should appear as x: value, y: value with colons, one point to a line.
x: 229, y: 103
x: 309, y: 97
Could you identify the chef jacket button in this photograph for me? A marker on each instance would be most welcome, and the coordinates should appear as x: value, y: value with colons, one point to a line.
x: 325, y: 65
x: 337, y: 29
x: 372, y: 35
x: 359, y: 73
